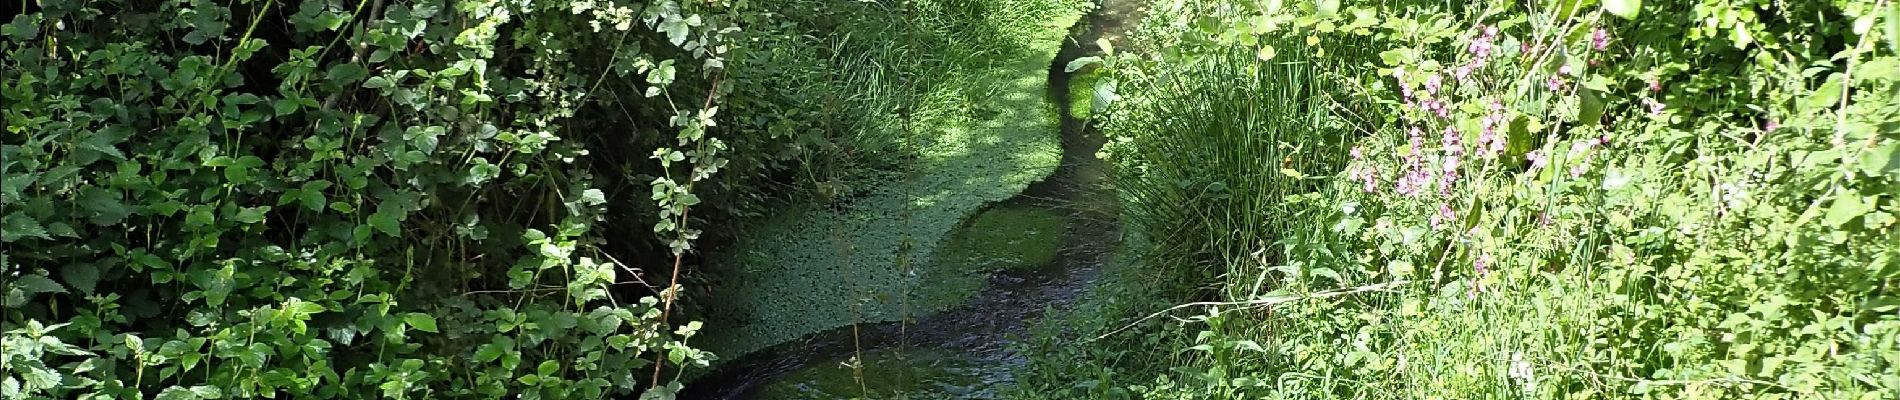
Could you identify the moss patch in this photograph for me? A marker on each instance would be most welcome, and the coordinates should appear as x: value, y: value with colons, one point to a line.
x: 887, y: 374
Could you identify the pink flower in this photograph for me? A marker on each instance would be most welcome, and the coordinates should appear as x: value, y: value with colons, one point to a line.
x: 1370, y: 178
x: 1772, y: 126
x: 1563, y: 70
x: 1463, y: 73
x: 1600, y: 39
x: 1555, y: 84
x: 1655, y: 85
x: 1452, y: 141
x: 1655, y: 107
x: 1433, y: 83
x: 1357, y: 154
x: 1444, y: 215
x: 1537, y: 159
x: 1491, y: 31
x: 1482, y: 264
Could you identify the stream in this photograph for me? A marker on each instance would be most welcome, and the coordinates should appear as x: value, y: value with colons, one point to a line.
x: 965, y: 352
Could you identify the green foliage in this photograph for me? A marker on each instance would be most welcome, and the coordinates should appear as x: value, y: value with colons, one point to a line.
x: 1615, y: 199
x: 323, y: 199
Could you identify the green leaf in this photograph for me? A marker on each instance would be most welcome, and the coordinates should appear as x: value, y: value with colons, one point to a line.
x: 207, y: 392
x: 1628, y: 9
x: 18, y: 225
x: 177, y: 393
x: 103, y: 207
x: 37, y: 284
x: 1266, y: 53
x: 668, y: 392
x: 1081, y: 62
x: 81, y: 276
x: 378, y: 82
x: 420, y: 321
x: 251, y: 215
x: 39, y: 378
x: 489, y: 352
x: 347, y: 73
x: 311, y: 194
x: 1882, y: 160
x: 1845, y: 208
x: 548, y: 368
x: 388, y: 220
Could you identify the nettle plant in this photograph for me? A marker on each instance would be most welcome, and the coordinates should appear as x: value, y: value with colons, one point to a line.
x: 341, y: 199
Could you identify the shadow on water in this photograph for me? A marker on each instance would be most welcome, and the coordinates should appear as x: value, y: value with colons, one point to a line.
x: 964, y: 352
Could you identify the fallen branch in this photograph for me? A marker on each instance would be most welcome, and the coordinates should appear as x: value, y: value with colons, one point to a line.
x: 1262, y: 302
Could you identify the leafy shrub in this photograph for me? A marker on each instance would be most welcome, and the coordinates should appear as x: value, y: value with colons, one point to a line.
x: 1557, y: 200
x: 328, y: 199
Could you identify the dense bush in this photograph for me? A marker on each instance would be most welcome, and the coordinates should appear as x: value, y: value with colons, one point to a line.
x: 329, y: 199
x: 1554, y: 200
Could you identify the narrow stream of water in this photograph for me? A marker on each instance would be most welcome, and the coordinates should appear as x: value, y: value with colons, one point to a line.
x: 963, y: 353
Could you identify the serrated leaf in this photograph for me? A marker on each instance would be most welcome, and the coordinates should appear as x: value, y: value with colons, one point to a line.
x: 81, y: 276
x: 18, y: 225
x: 103, y: 207
x: 420, y: 321
x: 37, y: 284
x: 1628, y: 9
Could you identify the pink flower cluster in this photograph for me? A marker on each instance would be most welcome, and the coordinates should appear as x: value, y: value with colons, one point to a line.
x: 1362, y: 172
x: 1416, y: 176
x: 1490, y: 144
x: 1600, y: 39
x: 1480, y: 49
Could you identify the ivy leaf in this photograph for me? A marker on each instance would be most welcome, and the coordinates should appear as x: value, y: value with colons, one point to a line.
x: 81, y: 276
x: 18, y: 225
x: 38, y: 284
x: 1628, y: 9
x: 420, y: 321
